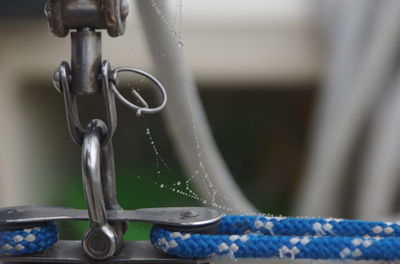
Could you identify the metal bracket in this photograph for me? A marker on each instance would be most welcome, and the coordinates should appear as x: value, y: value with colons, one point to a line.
x: 133, y: 252
x: 184, y: 218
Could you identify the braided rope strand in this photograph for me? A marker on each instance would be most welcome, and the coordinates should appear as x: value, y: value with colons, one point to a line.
x: 279, y: 237
x: 294, y: 226
x: 28, y: 240
x: 251, y: 237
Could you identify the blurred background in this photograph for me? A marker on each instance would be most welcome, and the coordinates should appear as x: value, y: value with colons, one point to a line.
x: 302, y: 98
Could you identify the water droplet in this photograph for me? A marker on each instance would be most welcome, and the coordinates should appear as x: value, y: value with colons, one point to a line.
x: 176, y: 33
x: 178, y: 183
x: 180, y: 44
x: 162, y: 186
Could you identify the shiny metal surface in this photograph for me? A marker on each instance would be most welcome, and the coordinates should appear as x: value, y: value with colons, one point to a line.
x: 115, y: 12
x: 100, y: 241
x: 85, y: 61
x: 108, y: 221
x: 71, y: 105
x: 107, y: 164
x: 61, y: 80
x: 64, y: 15
x: 168, y: 216
x: 144, y: 109
x: 91, y: 175
x: 71, y: 252
x: 82, y: 13
x: 109, y: 187
x: 109, y: 101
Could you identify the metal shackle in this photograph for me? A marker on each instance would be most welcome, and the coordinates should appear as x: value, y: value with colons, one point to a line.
x: 101, y: 241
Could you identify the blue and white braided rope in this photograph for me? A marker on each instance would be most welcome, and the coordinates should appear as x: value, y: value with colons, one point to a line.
x: 279, y: 237
x: 28, y: 240
x: 251, y: 237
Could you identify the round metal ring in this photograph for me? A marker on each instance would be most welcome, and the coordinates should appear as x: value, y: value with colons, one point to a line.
x: 139, y: 109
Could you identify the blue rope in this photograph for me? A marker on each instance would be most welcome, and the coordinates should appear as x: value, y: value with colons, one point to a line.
x: 279, y: 237
x: 251, y: 237
x: 28, y: 240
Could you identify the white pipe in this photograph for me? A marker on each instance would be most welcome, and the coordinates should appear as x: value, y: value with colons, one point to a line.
x: 338, y: 132
x: 346, y: 49
x: 379, y: 181
x: 184, y: 114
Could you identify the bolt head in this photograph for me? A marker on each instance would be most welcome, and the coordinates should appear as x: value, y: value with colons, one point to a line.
x: 188, y: 214
x: 100, y: 242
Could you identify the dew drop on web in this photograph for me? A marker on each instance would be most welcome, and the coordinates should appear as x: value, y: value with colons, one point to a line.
x: 201, y: 174
x: 175, y: 26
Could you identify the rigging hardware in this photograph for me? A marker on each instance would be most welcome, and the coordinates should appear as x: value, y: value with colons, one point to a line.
x: 89, y: 75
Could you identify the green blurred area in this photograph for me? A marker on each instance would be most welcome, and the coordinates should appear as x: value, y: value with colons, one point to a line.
x: 138, y: 187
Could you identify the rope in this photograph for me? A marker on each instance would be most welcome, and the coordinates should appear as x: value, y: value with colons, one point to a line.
x: 28, y: 240
x: 251, y: 237
x: 279, y: 237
